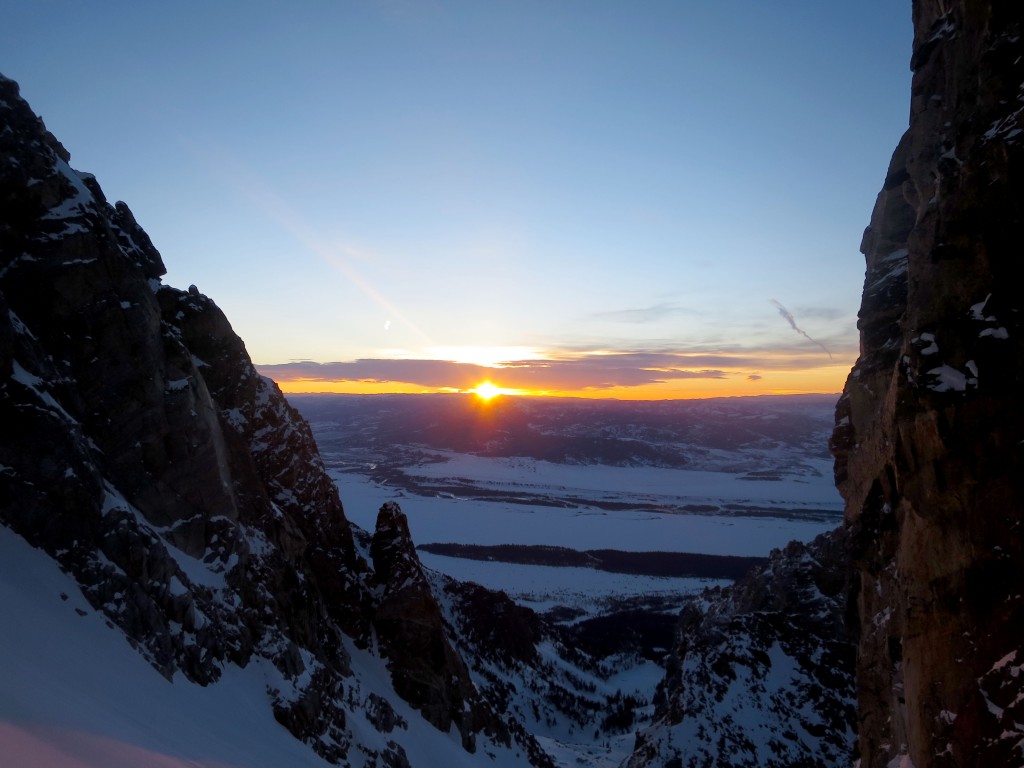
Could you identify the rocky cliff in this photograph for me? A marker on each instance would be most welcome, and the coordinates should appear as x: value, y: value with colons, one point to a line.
x: 426, y: 667
x: 929, y: 431
x: 143, y: 452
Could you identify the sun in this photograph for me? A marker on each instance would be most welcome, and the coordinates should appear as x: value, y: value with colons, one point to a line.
x: 487, y: 391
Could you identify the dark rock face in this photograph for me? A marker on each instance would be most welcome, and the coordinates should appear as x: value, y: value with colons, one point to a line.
x: 138, y: 436
x: 762, y: 674
x: 928, y: 438
x: 425, y: 669
x: 499, y: 628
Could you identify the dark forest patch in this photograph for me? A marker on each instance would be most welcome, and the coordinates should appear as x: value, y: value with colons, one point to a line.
x: 673, y: 564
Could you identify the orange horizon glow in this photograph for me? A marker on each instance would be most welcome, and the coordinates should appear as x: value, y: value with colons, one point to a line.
x: 815, y: 381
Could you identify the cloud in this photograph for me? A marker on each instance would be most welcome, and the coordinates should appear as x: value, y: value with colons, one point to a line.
x: 565, y: 371
x: 425, y: 373
x: 792, y: 321
x: 600, y: 371
x: 644, y: 314
x: 604, y: 371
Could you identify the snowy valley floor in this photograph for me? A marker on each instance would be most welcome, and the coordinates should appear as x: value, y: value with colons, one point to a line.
x: 497, y: 504
x: 795, y: 507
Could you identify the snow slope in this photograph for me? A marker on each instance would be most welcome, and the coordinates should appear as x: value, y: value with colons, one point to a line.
x: 75, y: 694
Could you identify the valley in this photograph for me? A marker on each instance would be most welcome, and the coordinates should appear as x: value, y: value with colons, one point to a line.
x: 606, y: 519
x: 718, y: 480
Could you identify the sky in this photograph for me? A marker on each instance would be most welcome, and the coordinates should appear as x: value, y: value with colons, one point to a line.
x: 600, y: 198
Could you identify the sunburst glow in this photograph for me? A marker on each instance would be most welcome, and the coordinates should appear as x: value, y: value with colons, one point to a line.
x: 488, y: 391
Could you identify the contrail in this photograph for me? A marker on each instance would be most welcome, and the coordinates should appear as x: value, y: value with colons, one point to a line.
x: 792, y: 321
x: 245, y: 179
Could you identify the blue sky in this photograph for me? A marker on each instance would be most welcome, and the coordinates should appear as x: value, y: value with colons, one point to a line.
x: 479, y: 182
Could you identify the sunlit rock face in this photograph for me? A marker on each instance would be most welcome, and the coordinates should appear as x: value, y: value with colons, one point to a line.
x: 929, y: 430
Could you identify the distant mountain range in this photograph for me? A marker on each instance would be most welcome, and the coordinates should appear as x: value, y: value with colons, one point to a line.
x: 723, y: 434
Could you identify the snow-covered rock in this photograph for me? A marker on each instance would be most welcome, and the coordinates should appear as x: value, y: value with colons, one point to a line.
x: 762, y: 674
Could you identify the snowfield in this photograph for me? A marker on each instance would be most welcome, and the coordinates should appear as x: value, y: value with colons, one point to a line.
x: 640, y: 483
x: 77, y: 695
x: 447, y: 518
x: 465, y: 521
